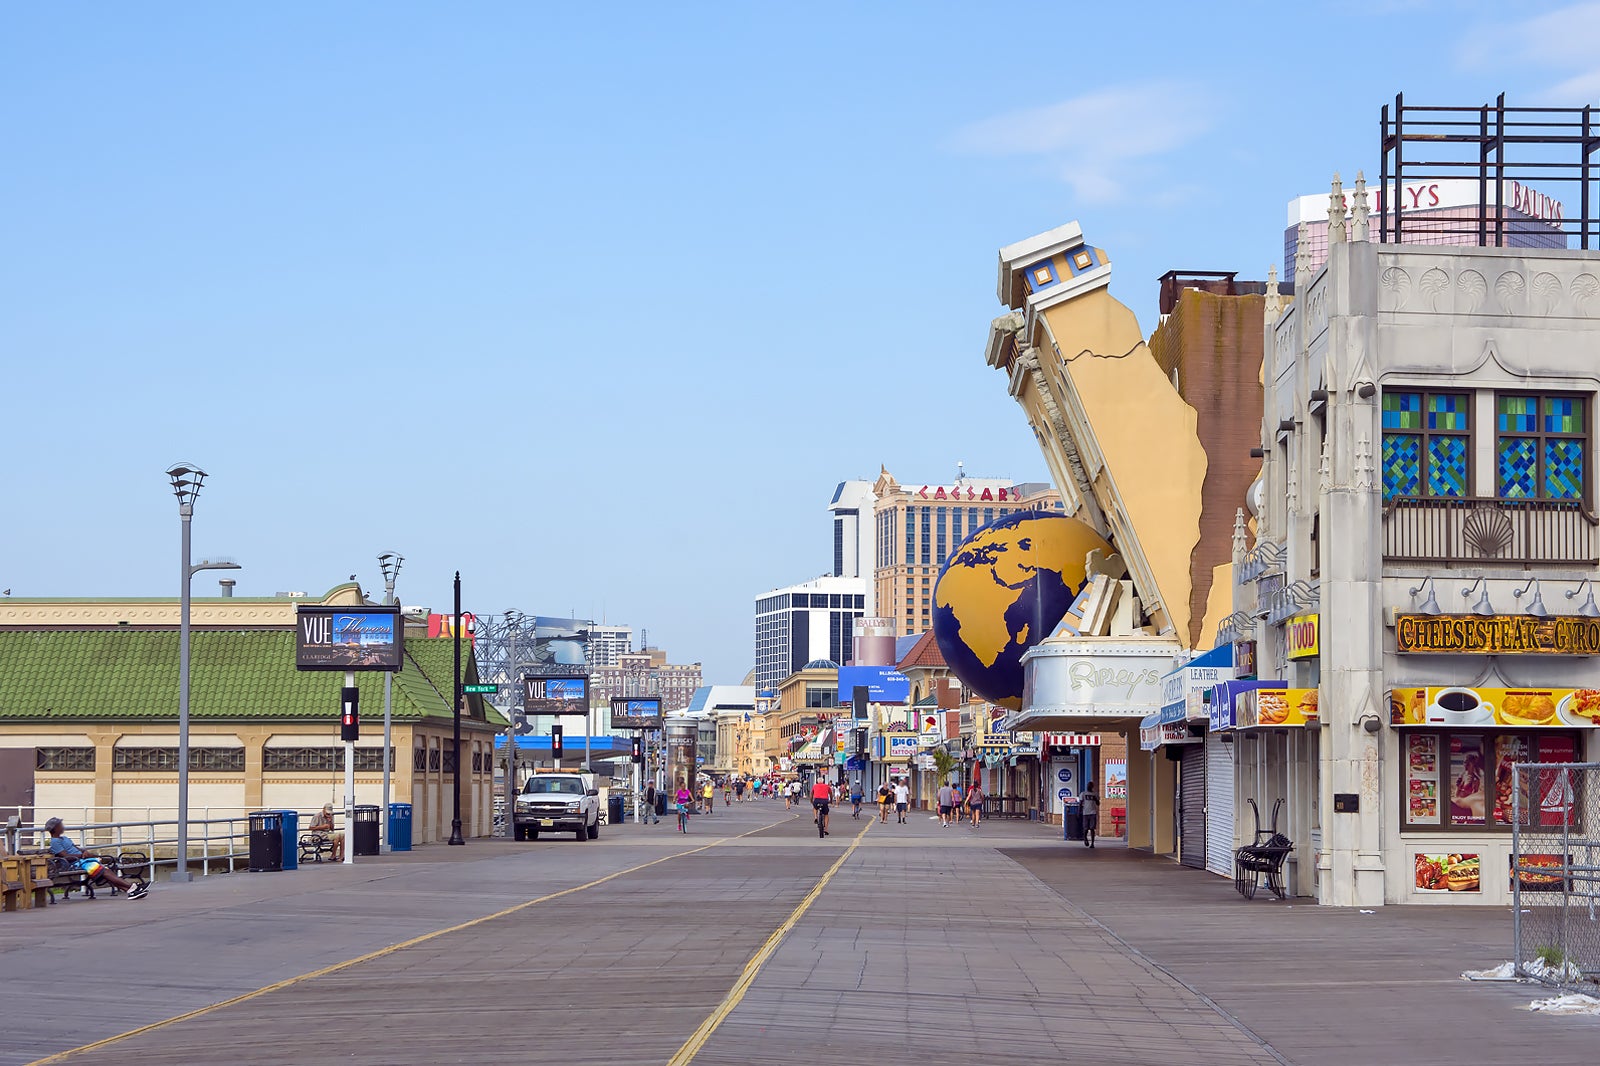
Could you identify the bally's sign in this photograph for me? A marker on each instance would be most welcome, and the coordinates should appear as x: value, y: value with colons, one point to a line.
x: 1496, y: 634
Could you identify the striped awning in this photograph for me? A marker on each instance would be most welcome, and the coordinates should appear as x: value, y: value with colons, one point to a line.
x: 1072, y: 740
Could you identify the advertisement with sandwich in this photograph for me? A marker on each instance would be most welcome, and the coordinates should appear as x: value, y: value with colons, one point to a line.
x: 1519, y: 708
x: 1275, y: 708
x: 1453, y: 872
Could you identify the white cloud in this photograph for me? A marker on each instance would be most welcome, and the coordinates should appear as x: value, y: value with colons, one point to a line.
x: 1099, y: 141
x: 1563, y: 39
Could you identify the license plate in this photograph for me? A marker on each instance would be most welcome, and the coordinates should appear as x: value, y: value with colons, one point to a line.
x: 547, y: 822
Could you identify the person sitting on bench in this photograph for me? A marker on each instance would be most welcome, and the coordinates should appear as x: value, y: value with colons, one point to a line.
x: 92, y: 866
x: 323, y: 823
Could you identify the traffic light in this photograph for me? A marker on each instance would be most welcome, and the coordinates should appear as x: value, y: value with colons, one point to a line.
x: 350, y: 714
x: 638, y: 749
x: 555, y: 742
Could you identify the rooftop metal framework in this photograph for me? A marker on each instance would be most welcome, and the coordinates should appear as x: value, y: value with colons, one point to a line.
x: 1509, y: 151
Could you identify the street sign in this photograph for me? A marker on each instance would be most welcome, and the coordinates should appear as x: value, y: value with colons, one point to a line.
x: 480, y: 690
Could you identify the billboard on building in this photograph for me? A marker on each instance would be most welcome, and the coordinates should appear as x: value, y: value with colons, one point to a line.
x: 555, y: 695
x: 444, y: 625
x: 636, y: 712
x: 348, y: 638
x: 884, y: 684
x: 874, y: 642
x: 560, y: 645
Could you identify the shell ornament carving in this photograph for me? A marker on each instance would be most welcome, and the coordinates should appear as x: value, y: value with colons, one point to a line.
x: 1487, y: 531
x: 1434, y: 283
x: 1547, y: 292
x: 1585, y: 287
x: 1473, y: 289
x: 1398, y: 282
x: 1511, y: 287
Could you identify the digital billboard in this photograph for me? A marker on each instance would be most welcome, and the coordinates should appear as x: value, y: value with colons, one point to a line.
x: 348, y: 638
x: 636, y: 712
x: 560, y: 646
x: 884, y: 684
x: 555, y: 695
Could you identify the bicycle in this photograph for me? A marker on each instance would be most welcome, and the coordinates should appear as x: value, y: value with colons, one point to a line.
x: 683, y: 818
x: 822, y: 819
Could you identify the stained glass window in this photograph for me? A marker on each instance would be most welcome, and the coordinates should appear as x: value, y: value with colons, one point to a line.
x: 1540, y: 447
x: 1425, y: 443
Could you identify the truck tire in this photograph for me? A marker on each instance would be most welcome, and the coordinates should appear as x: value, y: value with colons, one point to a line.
x: 583, y: 832
x: 594, y: 830
x: 533, y: 832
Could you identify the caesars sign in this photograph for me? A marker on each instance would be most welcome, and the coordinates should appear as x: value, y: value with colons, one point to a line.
x: 1515, y: 634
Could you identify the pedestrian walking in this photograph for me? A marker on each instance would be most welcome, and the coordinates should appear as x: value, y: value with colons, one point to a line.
x: 708, y: 796
x: 1089, y: 806
x: 902, y: 800
x: 885, y: 797
x: 650, y: 814
x: 975, y: 804
x: 947, y: 804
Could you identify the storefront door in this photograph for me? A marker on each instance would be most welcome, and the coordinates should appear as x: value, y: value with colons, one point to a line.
x: 1219, y: 805
x: 1192, y: 806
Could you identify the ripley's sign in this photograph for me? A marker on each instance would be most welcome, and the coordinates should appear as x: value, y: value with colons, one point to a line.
x: 1500, y: 634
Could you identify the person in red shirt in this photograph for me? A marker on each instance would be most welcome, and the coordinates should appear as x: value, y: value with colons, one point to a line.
x: 821, y: 793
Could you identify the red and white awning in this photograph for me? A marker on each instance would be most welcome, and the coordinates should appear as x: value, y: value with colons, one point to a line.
x: 1072, y: 740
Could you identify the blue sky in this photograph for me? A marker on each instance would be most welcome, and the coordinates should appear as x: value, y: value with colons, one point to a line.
x: 597, y: 303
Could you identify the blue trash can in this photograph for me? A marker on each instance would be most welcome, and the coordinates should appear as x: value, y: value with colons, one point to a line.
x: 399, y: 827
x: 291, y: 839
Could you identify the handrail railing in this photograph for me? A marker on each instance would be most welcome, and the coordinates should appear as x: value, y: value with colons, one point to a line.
x: 1478, y: 530
x: 215, y: 840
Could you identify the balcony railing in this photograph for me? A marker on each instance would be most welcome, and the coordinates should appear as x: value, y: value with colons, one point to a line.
x: 1483, y: 530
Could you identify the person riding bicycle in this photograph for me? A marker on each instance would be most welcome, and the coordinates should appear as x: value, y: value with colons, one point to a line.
x: 821, y: 794
x: 683, y: 799
x: 855, y: 798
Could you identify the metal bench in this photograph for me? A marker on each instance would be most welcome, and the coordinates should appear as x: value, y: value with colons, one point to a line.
x: 314, y: 845
x: 1263, y: 857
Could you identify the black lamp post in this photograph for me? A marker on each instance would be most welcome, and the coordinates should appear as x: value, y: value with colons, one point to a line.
x: 455, y: 817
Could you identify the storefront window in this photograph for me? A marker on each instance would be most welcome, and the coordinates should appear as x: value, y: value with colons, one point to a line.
x: 1465, y: 780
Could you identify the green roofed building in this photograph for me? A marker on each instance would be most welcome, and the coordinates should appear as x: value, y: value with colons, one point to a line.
x: 89, y: 719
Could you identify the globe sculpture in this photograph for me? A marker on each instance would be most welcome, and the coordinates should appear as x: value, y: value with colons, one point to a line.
x: 1004, y: 590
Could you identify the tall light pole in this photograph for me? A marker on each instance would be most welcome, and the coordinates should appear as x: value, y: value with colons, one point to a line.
x: 390, y: 563
x: 186, y: 480
x: 455, y: 818
x: 514, y: 620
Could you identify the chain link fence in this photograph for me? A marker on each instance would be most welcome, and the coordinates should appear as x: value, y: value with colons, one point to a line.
x: 1555, y: 874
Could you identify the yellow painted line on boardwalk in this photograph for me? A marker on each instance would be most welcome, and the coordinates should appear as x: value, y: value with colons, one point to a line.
x: 692, y: 1046
x: 391, y: 949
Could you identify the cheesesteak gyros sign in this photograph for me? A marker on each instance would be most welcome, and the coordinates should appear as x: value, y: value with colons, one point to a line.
x: 1513, y: 634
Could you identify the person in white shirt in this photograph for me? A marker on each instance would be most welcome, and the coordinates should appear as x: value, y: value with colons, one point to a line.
x: 902, y: 799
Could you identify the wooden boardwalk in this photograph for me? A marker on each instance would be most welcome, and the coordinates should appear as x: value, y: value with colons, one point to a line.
x: 937, y: 946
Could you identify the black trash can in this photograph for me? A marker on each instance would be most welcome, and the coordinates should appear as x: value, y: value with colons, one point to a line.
x: 1072, y: 822
x: 365, y: 836
x: 614, y: 809
x: 661, y: 803
x: 266, y: 841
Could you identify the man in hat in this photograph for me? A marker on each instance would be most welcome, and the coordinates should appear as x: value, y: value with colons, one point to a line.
x: 92, y: 865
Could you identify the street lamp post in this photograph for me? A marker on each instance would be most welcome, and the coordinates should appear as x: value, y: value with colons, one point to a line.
x: 514, y: 620
x: 186, y: 481
x: 455, y: 817
x: 390, y: 562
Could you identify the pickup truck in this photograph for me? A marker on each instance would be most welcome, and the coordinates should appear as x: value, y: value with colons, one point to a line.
x: 557, y: 802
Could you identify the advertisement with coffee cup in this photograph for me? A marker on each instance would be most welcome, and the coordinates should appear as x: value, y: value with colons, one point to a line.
x: 1519, y: 708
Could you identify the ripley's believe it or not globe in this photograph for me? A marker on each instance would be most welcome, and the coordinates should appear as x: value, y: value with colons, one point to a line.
x: 1004, y: 590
